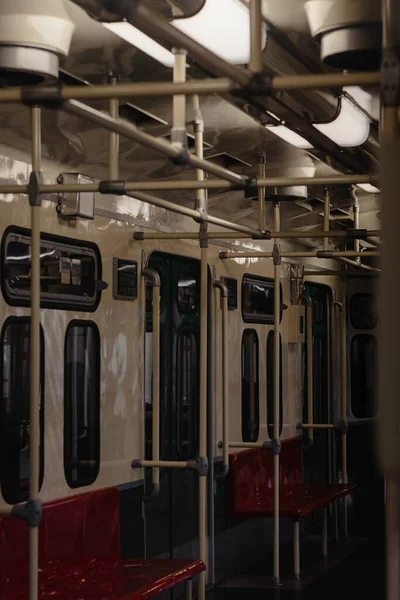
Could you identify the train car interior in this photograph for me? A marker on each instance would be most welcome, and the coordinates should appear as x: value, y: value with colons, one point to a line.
x: 199, y: 224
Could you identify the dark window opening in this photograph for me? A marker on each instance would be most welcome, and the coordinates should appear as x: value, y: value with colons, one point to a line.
x: 187, y: 293
x: 258, y: 300
x: 15, y: 409
x: 82, y: 403
x: 270, y: 385
x: 187, y: 394
x: 364, y: 375
x: 250, y: 387
x: 363, y: 313
x: 69, y: 271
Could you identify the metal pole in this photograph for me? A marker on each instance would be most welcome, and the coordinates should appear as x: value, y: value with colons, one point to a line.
x: 389, y: 374
x: 161, y: 145
x: 327, y: 210
x: 156, y: 285
x: 225, y: 375
x: 277, y: 316
x: 316, y: 426
x: 256, y: 63
x: 159, y: 464
x: 114, y: 137
x: 343, y: 321
x: 203, y: 414
x: 301, y: 254
x: 35, y: 366
x: 296, y: 549
x: 246, y: 444
x: 178, y: 133
x: 193, y: 235
x: 325, y: 533
x: 262, y: 159
x: 198, y: 126
x: 356, y: 216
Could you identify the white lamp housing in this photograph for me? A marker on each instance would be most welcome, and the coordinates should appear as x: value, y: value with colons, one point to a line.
x: 33, y: 34
x: 222, y: 26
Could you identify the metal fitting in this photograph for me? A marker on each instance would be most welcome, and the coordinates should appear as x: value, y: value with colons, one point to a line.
x: 35, y: 181
x: 343, y: 427
x: 324, y: 254
x: 179, y: 137
x: 136, y: 463
x: 181, y: 159
x: 203, y: 235
x: 223, y: 255
x: 259, y: 85
x: 116, y: 187
x: 276, y: 446
x: 31, y: 512
x: 139, y: 236
x: 276, y: 255
x: 267, y: 446
x: 48, y: 96
x: 357, y: 234
x: 263, y: 235
x: 200, y: 465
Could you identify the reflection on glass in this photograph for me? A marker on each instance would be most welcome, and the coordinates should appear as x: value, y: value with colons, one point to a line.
x: 187, y: 293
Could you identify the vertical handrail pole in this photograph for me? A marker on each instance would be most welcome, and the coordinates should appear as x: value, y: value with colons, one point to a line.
x: 178, y: 133
x: 389, y: 374
x: 262, y: 159
x: 225, y: 404
x: 327, y: 214
x: 113, y: 137
x: 35, y: 366
x: 277, y: 314
x: 156, y: 285
x: 203, y: 407
x: 310, y: 391
x: 198, y: 127
x: 255, y: 63
x: 343, y: 322
x: 356, y: 221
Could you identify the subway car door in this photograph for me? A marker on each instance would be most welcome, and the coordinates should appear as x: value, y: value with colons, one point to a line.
x: 171, y: 518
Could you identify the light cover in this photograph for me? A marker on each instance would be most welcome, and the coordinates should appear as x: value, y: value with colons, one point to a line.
x: 143, y: 42
x: 222, y: 26
x: 367, y: 187
x: 349, y: 130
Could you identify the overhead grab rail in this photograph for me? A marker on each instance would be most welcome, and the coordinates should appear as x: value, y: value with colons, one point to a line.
x: 223, y: 288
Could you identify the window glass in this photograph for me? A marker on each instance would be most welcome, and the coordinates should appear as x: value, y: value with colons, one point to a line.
x: 319, y: 307
x: 15, y: 410
x: 250, y: 387
x: 82, y: 403
x: 187, y: 292
x: 364, y: 375
x: 187, y: 394
x: 363, y: 311
x: 69, y: 272
x: 258, y: 300
x: 270, y: 385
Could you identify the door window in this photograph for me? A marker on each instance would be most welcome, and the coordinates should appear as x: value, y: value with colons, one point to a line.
x: 187, y: 394
x: 250, y: 387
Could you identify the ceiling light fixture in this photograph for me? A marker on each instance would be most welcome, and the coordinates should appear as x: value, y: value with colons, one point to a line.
x: 143, y: 42
x: 367, y: 187
x: 222, y: 26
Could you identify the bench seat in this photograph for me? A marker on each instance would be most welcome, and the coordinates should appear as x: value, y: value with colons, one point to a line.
x: 295, y: 501
x: 79, y: 555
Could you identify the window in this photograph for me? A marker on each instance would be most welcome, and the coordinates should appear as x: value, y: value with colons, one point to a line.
x: 187, y: 292
x: 15, y: 409
x: 187, y: 384
x: 270, y: 385
x: 364, y: 375
x: 82, y: 403
x: 258, y: 299
x: 363, y: 311
x: 70, y: 271
x: 231, y: 284
x: 250, y: 387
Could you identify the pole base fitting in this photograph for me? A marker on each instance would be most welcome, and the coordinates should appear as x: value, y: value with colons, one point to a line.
x: 31, y: 512
x: 136, y: 463
x: 200, y: 465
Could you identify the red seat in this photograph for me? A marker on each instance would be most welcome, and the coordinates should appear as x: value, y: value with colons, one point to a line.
x: 79, y: 555
x: 251, y: 484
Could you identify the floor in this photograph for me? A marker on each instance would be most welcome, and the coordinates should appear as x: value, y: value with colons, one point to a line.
x: 354, y: 569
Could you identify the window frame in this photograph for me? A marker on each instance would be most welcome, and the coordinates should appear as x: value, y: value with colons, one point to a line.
x: 267, y: 319
x: 19, y: 497
x: 246, y: 436
x: 64, y: 302
x: 86, y: 481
